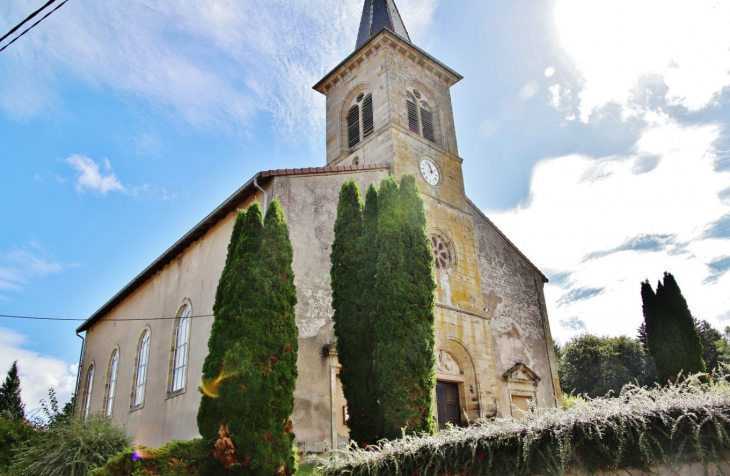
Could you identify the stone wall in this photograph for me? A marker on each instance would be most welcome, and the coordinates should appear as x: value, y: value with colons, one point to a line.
x: 513, y: 298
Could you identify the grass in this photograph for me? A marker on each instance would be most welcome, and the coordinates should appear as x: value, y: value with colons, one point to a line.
x: 305, y: 470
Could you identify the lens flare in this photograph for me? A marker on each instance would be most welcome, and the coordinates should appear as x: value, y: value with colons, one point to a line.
x: 139, y: 453
x: 210, y: 387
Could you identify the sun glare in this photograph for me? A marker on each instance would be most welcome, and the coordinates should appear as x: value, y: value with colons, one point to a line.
x: 616, y: 43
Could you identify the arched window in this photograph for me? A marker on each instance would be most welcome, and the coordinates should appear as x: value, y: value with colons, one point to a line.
x: 140, y: 370
x: 360, y: 119
x: 87, y: 390
x: 420, y: 115
x: 111, y: 384
x: 180, y: 350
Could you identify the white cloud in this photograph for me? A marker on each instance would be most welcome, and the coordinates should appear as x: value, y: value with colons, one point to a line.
x: 91, y: 178
x: 20, y: 265
x: 602, y: 228
x: 38, y: 372
x: 213, y: 64
x: 616, y: 43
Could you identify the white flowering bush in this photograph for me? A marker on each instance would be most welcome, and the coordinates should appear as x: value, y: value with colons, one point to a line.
x: 640, y: 428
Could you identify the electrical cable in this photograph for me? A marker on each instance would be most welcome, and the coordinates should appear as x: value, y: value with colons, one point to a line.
x: 30, y: 17
x: 35, y: 318
x: 33, y: 25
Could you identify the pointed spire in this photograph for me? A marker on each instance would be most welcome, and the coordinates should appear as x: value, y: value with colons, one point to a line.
x: 379, y: 14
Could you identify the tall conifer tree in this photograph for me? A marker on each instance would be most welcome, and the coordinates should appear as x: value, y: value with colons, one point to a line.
x: 671, y: 336
x: 10, y: 394
x: 368, y: 253
x: 221, y: 371
x: 266, y: 438
x: 403, y: 356
x: 249, y: 386
x: 675, y: 307
x: 353, y: 260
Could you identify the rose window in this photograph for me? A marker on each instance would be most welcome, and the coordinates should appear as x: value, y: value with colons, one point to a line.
x: 441, y: 253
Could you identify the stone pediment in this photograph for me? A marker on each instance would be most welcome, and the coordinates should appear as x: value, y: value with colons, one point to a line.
x: 521, y: 372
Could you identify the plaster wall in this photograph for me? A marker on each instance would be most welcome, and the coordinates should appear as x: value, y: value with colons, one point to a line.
x: 310, y: 205
x: 190, y: 279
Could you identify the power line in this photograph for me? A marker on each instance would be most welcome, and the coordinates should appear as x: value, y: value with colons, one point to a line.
x: 30, y: 17
x: 33, y: 25
x: 35, y: 318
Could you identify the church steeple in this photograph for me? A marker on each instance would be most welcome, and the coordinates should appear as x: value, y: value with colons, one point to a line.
x: 379, y: 14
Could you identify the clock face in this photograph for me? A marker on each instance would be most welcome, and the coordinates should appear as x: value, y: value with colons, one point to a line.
x: 430, y: 172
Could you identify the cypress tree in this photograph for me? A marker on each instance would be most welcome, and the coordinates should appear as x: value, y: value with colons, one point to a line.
x: 262, y: 431
x: 353, y: 258
x: 672, y: 339
x: 221, y: 370
x: 368, y: 254
x: 403, y: 358
x: 10, y: 401
x: 675, y: 306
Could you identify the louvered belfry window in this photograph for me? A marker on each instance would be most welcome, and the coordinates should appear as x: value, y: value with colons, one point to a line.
x: 420, y: 115
x: 412, y: 113
x: 360, y: 112
x: 367, y: 116
x: 353, y: 126
x: 427, y: 122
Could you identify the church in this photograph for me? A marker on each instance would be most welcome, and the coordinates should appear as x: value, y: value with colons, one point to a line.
x: 388, y: 112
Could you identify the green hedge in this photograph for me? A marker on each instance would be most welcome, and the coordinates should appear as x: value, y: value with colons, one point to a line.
x: 179, y: 458
x: 643, y: 427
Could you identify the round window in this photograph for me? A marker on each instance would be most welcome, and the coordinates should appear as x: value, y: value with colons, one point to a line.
x: 360, y: 96
x: 417, y: 93
x: 442, y: 255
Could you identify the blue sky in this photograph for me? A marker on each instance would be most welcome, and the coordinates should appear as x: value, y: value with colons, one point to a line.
x: 594, y: 133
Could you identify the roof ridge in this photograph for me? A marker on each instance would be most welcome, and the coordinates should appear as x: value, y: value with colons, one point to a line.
x: 509, y: 242
x: 320, y: 170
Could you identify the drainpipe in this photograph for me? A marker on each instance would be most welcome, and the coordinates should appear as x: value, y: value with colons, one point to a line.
x: 78, y: 372
x: 266, y: 196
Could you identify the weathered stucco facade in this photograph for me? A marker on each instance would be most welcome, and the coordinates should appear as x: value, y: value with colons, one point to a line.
x: 493, y: 343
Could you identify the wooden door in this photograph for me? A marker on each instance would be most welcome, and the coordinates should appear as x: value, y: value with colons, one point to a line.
x: 447, y: 402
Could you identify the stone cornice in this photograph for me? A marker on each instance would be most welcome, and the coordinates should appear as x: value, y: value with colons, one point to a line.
x: 387, y: 39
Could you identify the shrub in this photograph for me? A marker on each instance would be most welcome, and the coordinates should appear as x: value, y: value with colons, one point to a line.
x: 69, y: 448
x: 13, y: 432
x: 179, y: 458
x: 687, y: 421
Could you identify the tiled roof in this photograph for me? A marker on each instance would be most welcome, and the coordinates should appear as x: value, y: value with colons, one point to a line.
x: 322, y: 170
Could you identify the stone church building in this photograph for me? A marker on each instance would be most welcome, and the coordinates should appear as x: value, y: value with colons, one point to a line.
x: 388, y: 113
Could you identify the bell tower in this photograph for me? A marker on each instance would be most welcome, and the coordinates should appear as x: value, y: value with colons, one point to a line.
x: 390, y: 102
